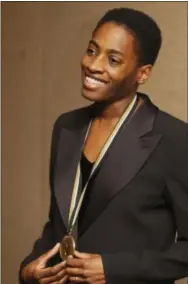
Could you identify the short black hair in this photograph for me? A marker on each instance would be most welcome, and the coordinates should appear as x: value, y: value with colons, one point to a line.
x: 144, y: 29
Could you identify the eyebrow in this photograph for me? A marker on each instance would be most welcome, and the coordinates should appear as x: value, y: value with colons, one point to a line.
x: 92, y: 41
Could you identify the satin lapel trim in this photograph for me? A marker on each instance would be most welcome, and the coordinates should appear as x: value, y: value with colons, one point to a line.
x: 69, y: 153
x: 126, y: 156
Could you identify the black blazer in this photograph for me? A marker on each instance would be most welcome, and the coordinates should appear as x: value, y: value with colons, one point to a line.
x: 136, y: 215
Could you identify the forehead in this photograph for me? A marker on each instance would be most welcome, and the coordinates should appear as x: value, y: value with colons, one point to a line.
x: 113, y: 36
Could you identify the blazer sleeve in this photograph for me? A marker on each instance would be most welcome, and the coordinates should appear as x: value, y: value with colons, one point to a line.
x: 172, y: 263
x: 47, y: 239
x: 41, y: 245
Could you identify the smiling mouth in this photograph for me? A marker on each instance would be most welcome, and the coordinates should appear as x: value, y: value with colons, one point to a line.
x: 91, y: 82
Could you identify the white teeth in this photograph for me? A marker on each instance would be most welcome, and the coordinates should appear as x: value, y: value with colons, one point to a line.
x: 93, y: 82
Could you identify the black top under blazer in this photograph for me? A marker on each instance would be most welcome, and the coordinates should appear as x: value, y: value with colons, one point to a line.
x: 136, y: 214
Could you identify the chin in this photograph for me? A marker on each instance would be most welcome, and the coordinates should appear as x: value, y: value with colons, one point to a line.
x: 93, y: 96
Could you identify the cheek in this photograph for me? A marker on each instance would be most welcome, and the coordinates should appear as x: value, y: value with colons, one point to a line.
x: 124, y: 80
x: 117, y: 74
x: 84, y: 61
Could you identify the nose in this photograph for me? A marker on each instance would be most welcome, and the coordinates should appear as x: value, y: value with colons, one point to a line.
x: 97, y: 65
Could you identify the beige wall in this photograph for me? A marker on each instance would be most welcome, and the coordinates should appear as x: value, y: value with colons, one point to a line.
x: 42, y: 44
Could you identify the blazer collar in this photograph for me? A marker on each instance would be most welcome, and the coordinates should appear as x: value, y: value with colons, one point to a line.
x: 69, y: 152
x: 128, y: 153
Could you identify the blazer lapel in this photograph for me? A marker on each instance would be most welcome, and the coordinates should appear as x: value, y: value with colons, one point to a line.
x: 126, y: 156
x: 69, y: 152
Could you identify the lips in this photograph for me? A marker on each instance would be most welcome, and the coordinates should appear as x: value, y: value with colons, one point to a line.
x: 91, y: 82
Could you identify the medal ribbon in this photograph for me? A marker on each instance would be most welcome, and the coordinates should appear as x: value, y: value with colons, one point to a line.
x: 74, y: 211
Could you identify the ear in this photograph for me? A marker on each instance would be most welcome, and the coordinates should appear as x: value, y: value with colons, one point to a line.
x: 144, y: 73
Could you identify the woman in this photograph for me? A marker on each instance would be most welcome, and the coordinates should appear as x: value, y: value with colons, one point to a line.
x: 118, y: 173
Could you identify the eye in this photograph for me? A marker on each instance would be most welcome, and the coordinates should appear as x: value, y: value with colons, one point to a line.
x: 91, y: 51
x: 114, y: 60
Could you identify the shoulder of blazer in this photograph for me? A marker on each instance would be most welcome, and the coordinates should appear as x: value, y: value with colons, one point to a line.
x: 70, y: 120
x: 173, y: 130
x: 73, y: 119
x: 170, y: 125
x: 174, y: 135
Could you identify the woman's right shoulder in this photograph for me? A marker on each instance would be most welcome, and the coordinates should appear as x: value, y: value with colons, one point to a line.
x: 72, y: 118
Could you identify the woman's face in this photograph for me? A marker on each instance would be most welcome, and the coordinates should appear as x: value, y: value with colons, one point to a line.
x: 109, y: 65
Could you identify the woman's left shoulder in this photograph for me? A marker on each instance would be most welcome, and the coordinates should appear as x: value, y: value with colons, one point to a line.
x: 170, y: 125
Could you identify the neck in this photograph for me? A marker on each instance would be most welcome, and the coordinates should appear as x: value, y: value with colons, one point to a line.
x: 113, y: 111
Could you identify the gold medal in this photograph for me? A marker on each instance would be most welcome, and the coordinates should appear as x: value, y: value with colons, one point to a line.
x: 67, y: 247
